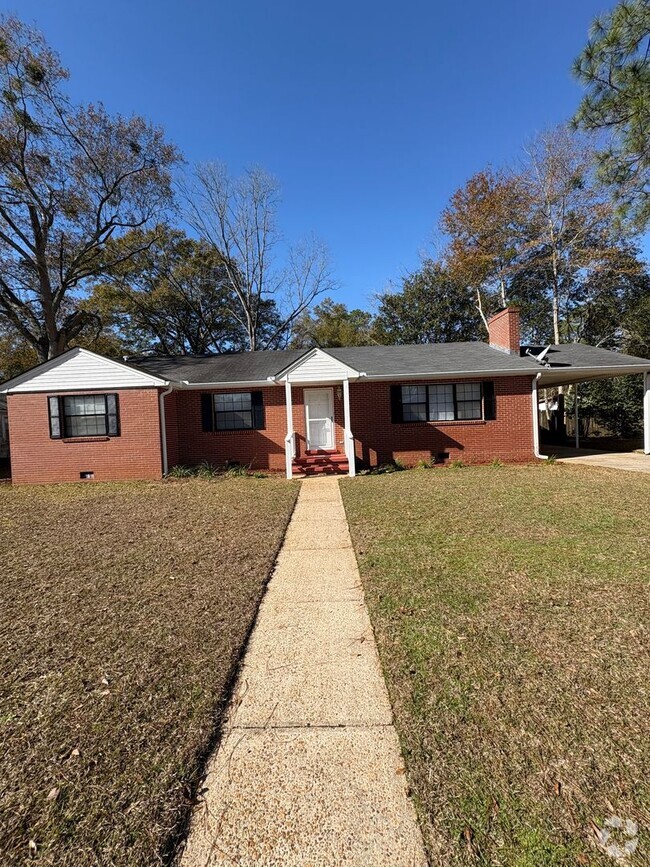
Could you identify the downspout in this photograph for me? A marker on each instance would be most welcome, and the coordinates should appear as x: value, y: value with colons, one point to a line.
x: 163, y: 428
x: 536, y: 421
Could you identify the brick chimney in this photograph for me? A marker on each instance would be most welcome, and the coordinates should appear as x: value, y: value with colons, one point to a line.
x: 503, y: 329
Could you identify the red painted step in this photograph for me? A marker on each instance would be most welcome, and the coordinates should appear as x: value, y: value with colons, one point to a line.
x: 312, y: 459
x: 320, y: 463
x: 320, y: 469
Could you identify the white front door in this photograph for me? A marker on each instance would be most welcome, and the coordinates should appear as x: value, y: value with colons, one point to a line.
x: 319, y: 418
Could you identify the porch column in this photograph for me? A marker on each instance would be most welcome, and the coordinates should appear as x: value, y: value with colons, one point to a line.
x: 576, y: 416
x: 646, y: 412
x: 349, y: 439
x: 289, y: 443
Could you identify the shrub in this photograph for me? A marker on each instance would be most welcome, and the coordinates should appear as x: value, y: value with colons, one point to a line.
x: 180, y: 472
x: 206, y: 470
x: 457, y: 464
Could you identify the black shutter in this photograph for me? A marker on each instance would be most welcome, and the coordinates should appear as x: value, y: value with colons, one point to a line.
x: 112, y: 415
x: 257, y: 403
x: 207, y: 413
x: 489, y: 402
x: 54, y: 410
x: 396, y: 413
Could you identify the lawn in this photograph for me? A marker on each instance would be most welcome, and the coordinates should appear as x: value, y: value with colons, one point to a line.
x: 511, y: 611
x: 123, y: 612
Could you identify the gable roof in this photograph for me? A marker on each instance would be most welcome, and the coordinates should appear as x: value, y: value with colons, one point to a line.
x: 80, y: 369
x: 319, y: 365
x: 430, y: 359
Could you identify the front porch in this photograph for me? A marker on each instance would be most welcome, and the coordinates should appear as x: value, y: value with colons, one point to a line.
x: 319, y: 438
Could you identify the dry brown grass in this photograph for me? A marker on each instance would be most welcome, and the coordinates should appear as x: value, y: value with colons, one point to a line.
x: 511, y: 610
x: 123, y: 612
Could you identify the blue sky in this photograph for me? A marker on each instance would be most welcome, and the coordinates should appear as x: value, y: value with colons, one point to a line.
x: 370, y: 114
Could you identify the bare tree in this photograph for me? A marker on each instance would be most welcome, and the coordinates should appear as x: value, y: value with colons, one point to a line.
x: 238, y: 216
x: 70, y: 178
x: 571, y: 218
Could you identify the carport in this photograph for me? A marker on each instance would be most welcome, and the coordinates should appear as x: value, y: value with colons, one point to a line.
x: 570, y: 364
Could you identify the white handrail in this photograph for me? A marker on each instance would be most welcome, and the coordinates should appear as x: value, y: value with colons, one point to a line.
x: 350, y: 453
x: 289, y: 452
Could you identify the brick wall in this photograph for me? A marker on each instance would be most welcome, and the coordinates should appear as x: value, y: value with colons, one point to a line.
x: 509, y: 437
x: 505, y: 331
x: 135, y: 454
x: 261, y: 449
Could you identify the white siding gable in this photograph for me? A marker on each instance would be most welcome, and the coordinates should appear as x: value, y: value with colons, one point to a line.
x: 318, y: 366
x: 80, y: 370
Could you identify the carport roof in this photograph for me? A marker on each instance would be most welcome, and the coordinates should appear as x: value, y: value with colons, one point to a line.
x: 579, y: 362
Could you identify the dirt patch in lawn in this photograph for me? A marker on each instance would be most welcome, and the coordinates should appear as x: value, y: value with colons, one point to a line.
x: 123, y: 612
x: 511, y: 611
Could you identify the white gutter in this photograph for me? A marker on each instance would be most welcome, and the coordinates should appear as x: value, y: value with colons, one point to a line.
x: 163, y: 427
x: 536, y: 450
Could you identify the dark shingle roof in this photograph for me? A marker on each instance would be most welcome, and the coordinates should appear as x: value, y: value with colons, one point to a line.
x: 584, y: 355
x: 428, y: 358
x: 385, y: 361
x: 235, y: 367
x: 567, y: 358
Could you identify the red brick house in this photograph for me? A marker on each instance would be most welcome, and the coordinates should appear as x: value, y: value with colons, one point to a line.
x: 83, y: 416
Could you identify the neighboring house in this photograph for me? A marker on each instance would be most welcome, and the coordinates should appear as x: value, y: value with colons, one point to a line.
x: 83, y: 416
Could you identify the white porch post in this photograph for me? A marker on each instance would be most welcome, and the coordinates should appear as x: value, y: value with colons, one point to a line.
x: 349, y: 439
x: 576, y: 416
x: 646, y: 412
x: 289, y: 444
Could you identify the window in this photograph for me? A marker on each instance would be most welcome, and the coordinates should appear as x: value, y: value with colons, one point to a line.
x: 441, y: 402
x: 232, y: 411
x: 84, y: 415
x: 468, y: 400
x: 414, y: 402
x: 462, y: 401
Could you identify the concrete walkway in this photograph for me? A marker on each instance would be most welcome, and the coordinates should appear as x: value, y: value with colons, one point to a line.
x: 633, y: 462
x: 309, y: 771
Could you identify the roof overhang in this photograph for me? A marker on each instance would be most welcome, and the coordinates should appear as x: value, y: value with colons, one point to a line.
x: 452, y: 374
x: 550, y: 378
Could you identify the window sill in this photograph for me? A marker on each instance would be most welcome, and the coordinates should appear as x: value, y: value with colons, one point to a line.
x: 240, y: 430
x: 463, y: 421
x: 94, y: 439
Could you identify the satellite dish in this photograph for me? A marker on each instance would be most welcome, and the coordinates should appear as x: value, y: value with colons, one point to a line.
x: 541, y: 358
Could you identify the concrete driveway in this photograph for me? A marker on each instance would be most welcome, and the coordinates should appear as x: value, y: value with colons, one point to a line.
x: 633, y: 462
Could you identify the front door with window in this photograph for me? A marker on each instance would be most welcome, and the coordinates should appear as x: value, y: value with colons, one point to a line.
x: 319, y: 418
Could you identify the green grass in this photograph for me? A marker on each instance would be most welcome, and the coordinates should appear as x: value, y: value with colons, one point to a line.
x: 511, y: 611
x: 123, y: 612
